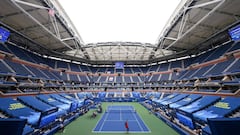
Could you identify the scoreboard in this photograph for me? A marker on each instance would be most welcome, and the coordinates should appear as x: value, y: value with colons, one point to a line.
x: 119, y: 65
x: 235, y: 33
x: 4, y: 34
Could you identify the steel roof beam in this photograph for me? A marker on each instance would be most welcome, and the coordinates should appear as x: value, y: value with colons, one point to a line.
x: 103, y: 45
x: 201, y: 20
x: 36, y: 21
x: 17, y: 13
x: 221, y: 12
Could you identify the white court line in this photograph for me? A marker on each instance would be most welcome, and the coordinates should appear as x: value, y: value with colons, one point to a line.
x: 98, y: 122
x: 134, y: 114
x: 118, y: 120
x: 140, y: 132
x: 103, y: 122
x: 144, y: 123
x: 120, y: 113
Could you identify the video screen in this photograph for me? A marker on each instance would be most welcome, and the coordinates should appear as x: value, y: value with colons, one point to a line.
x: 235, y: 33
x: 119, y: 65
x: 4, y: 34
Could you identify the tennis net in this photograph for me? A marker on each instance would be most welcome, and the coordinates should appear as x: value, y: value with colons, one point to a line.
x: 120, y: 111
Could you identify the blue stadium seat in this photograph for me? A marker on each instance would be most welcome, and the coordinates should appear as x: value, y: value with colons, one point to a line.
x: 218, y: 110
x: 62, y: 64
x: 173, y: 100
x: 185, y: 101
x: 235, y: 68
x: 48, y: 113
x: 73, y: 77
x: 176, y: 64
x: 74, y: 67
x: 199, y: 104
x: 234, y: 47
x: 80, y: 102
x: 4, y: 49
x: 84, y: 79
x: 166, y: 98
x: 37, y: 73
x: 63, y: 108
x: 4, y: 69
x: 18, y: 68
x: 13, y: 126
x: 219, y: 68
x: 72, y: 103
x: 15, y: 109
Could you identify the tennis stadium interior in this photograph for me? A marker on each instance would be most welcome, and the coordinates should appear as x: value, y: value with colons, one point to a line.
x: 50, y: 79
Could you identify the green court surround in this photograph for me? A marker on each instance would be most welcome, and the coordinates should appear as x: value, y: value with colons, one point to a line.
x: 85, y: 124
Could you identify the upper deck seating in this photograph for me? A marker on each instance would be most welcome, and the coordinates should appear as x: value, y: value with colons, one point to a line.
x: 219, y: 68
x: 187, y: 74
x: 202, y: 57
x: 15, y: 109
x: 53, y: 75
x: 218, y: 110
x: 234, y: 47
x: 83, y: 78
x: 128, y: 70
x: 18, y: 68
x: 103, y: 79
x: 4, y: 69
x: 110, y: 70
x: 127, y: 79
x: 174, y: 76
x: 62, y: 64
x: 73, y: 77
x: 102, y: 70
x: 235, y: 68
x: 154, y: 78
x: 119, y: 70
x: 135, y: 79
x: 3, y: 48
x: 201, y: 72
x: 50, y: 62
x: 74, y: 67
x: 136, y: 70
x: 176, y: 64
x: 153, y: 68
x: 20, y: 53
x: 164, y: 77
x: 37, y: 72
x: 64, y: 76
x: 164, y: 67
x: 218, y: 52
x: 84, y: 68
x: 119, y: 79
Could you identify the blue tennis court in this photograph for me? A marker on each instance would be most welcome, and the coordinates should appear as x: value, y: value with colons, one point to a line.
x: 114, y: 118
